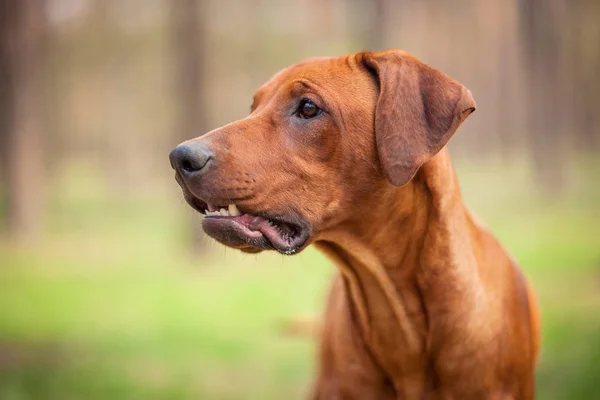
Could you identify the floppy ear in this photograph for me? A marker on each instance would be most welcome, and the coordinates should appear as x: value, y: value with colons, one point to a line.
x: 418, y: 110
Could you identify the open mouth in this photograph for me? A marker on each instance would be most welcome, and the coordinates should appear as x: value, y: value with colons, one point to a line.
x: 239, y: 229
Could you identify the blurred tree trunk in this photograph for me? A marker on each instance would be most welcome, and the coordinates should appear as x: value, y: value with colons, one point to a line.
x: 583, y: 17
x: 376, y: 35
x: 496, y: 35
x: 22, y: 28
x: 541, y: 30
x: 188, y: 43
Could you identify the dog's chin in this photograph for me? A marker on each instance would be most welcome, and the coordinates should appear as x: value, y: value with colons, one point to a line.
x: 250, y: 232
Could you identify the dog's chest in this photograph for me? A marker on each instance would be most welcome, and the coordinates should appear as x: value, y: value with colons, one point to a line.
x: 443, y: 352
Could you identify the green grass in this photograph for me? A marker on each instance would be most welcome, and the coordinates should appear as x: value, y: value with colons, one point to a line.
x: 110, y: 305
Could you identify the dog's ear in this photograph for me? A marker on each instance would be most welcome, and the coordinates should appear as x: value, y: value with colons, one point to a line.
x: 418, y: 110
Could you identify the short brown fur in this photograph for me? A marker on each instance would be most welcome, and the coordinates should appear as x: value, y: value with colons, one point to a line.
x: 427, y: 304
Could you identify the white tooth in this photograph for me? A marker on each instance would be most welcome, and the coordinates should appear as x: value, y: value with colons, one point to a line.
x: 211, y: 207
x: 233, y: 210
x: 224, y: 212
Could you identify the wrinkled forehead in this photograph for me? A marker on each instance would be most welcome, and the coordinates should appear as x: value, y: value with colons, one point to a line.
x: 332, y: 73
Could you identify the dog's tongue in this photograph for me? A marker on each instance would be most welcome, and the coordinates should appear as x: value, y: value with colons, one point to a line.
x: 262, y: 225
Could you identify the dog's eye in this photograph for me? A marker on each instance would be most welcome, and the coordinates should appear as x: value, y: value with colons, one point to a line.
x: 307, y: 109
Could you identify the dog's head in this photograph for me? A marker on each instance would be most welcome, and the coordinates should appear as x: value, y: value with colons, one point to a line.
x: 322, y: 136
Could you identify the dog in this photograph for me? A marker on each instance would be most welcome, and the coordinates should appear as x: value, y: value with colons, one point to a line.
x: 348, y: 154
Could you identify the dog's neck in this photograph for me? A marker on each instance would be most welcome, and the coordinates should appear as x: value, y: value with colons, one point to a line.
x: 394, y: 287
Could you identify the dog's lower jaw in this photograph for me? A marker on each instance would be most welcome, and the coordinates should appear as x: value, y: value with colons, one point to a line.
x: 287, y: 235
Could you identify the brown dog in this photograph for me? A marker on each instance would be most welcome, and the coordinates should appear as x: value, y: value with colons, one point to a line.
x: 347, y: 153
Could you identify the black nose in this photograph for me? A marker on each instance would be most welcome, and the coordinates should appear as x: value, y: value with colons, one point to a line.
x: 189, y: 158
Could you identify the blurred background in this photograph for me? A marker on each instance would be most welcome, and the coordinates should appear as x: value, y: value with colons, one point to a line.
x: 107, y: 288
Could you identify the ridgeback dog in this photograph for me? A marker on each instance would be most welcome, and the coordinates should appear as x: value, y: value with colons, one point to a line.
x: 348, y: 153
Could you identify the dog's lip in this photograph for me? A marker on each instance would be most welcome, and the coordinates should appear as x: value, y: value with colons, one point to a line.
x: 202, y: 206
x: 197, y: 204
x: 240, y: 223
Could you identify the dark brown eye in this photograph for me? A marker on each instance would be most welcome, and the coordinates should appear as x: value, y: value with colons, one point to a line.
x: 308, y: 109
